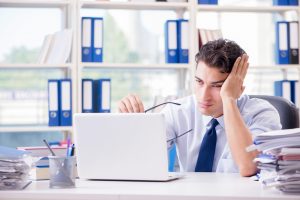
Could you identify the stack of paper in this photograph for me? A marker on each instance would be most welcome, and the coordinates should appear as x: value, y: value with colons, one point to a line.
x: 14, y: 169
x: 40, y: 168
x: 279, y: 161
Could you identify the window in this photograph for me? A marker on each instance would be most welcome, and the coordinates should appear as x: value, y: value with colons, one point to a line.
x: 23, y: 93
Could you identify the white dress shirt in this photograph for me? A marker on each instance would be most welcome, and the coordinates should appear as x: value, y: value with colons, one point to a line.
x: 259, y: 115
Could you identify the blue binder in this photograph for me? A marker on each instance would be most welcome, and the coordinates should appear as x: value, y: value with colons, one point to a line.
x: 66, y: 102
x: 87, y: 96
x: 102, y: 95
x: 293, y: 91
x: 280, y: 2
x: 293, y: 2
x: 214, y: 2
x: 286, y: 89
x: 97, y: 38
x: 183, y: 40
x: 86, y: 39
x: 282, y: 42
x: 293, y: 43
x: 203, y: 1
x: 53, y: 102
x: 171, y: 38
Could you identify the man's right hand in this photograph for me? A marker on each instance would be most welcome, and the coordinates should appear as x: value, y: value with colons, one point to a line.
x: 131, y: 104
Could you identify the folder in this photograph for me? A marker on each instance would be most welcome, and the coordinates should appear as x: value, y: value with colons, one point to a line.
x: 183, y: 40
x: 281, y: 2
x: 97, y: 46
x: 297, y: 93
x: 171, y: 41
x: 86, y: 39
x: 87, y: 96
x: 285, y: 89
x: 293, y: 43
x: 102, y: 95
x: 293, y: 2
x: 282, y: 89
x: 282, y: 44
x: 213, y: 2
x: 203, y: 1
x: 293, y: 90
x: 54, y: 102
x: 66, y: 102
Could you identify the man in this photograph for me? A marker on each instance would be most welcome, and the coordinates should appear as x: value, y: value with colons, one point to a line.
x: 218, y: 110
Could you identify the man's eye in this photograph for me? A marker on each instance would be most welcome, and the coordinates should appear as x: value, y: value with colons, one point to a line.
x: 217, y: 86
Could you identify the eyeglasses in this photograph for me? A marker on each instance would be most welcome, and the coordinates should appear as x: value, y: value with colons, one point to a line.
x: 168, y: 102
x: 177, y: 136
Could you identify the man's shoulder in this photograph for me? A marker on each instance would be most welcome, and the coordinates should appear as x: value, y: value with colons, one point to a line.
x: 254, y: 106
x: 259, y: 114
x: 246, y: 101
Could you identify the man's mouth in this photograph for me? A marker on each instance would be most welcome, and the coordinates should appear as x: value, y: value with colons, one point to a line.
x: 205, y: 105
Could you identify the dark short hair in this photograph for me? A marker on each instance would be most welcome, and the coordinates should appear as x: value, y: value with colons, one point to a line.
x: 220, y: 53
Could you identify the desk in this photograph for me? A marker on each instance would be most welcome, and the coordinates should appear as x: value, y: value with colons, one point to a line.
x: 191, y: 187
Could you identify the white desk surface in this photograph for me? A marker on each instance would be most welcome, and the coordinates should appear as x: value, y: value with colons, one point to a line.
x: 192, y: 186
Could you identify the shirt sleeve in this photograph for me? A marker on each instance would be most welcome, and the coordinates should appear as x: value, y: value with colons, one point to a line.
x: 261, y: 116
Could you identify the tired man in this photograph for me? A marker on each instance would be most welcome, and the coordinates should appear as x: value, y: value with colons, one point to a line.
x: 221, y: 118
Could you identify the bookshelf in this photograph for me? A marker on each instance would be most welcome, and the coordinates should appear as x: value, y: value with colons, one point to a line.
x: 71, y: 18
x: 68, y: 12
x: 179, y: 8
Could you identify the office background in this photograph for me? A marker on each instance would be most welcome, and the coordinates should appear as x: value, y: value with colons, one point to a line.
x: 133, y: 54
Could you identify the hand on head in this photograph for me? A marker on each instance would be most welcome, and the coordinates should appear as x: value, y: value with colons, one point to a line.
x: 233, y: 86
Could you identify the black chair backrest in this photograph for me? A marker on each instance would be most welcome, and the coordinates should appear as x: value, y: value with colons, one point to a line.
x: 288, y: 112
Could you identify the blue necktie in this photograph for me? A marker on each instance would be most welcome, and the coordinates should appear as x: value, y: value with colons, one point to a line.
x: 207, y: 149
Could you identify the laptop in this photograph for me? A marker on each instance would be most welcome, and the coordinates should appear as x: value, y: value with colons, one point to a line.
x: 122, y: 146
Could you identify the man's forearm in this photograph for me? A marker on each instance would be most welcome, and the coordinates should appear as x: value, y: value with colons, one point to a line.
x: 239, y: 137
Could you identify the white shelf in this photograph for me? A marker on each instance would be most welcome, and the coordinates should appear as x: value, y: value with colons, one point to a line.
x: 259, y: 9
x: 35, y: 66
x: 34, y: 3
x: 276, y: 67
x: 20, y: 129
x: 135, y: 5
x: 176, y: 66
x: 136, y: 66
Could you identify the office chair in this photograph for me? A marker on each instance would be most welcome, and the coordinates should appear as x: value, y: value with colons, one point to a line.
x: 288, y: 112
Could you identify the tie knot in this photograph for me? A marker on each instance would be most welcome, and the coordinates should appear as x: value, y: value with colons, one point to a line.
x: 214, y: 123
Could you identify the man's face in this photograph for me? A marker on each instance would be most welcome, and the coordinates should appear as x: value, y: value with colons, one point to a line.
x: 208, y: 83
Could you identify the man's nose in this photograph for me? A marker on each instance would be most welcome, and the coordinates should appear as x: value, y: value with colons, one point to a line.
x: 205, y: 93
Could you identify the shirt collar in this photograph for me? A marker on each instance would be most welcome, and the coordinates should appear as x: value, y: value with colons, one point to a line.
x: 207, y: 120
